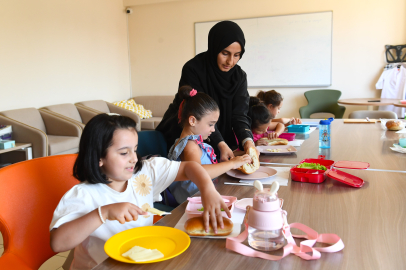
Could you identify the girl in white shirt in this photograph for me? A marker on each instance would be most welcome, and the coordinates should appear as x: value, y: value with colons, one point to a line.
x: 116, y: 187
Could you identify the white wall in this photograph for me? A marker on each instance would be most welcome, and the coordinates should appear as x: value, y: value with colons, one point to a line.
x: 162, y: 40
x: 62, y: 51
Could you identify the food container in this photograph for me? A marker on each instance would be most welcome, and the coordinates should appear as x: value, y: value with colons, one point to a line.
x: 195, y: 203
x: 288, y: 136
x: 299, y: 128
x: 319, y: 176
x: 403, y: 101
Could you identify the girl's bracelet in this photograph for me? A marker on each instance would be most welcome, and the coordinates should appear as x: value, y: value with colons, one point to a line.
x: 100, y: 215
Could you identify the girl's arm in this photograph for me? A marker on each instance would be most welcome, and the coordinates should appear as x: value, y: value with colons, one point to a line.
x: 192, y: 152
x: 288, y: 121
x: 72, y: 233
x: 211, y: 199
x: 278, y: 128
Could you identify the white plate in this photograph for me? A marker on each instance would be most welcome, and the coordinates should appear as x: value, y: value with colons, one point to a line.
x: 261, y: 173
x: 283, y: 149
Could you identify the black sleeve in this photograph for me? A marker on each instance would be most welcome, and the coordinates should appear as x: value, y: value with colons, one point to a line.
x: 241, y: 123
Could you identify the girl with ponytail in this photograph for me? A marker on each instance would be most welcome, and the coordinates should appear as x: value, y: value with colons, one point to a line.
x: 274, y: 101
x: 198, y: 113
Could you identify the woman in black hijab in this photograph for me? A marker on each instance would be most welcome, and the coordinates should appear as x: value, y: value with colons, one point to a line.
x: 216, y: 73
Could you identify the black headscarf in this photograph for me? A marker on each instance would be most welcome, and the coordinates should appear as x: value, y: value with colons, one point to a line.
x: 228, y: 89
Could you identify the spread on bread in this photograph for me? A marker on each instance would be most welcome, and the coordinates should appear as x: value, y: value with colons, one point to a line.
x: 251, y: 167
x: 195, y: 227
x: 140, y: 254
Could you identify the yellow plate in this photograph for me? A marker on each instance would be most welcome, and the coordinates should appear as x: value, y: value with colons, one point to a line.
x: 170, y: 241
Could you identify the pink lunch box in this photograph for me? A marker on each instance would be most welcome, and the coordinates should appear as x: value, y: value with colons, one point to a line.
x: 195, y: 203
x: 288, y: 136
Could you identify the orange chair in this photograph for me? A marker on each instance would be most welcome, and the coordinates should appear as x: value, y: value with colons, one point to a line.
x: 29, y: 194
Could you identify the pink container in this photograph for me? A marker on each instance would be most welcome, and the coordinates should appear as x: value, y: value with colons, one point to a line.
x: 288, y: 136
x: 195, y: 203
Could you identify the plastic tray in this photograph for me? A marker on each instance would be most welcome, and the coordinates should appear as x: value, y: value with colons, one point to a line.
x: 196, y: 203
x: 298, y: 128
x: 288, y: 136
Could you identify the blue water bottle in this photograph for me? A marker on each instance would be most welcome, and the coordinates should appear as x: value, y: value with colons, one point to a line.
x: 324, y: 133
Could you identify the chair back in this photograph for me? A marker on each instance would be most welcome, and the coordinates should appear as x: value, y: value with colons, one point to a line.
x: 28, y: 116
x: 373, y: 115
x: 157, y: 104
x: 99, y: 105
x: 323, y: 100
x: 29, y: 193
x: 67, y: 109
x: 151, y: 142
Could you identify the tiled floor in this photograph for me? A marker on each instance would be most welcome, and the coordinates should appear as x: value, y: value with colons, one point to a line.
x: 53, y: 263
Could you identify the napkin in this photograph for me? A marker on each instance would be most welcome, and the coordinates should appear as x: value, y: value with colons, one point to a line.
x: 237, y: 218
x: 282, y: 176
x: 398, y: 148
x: 296, y: 142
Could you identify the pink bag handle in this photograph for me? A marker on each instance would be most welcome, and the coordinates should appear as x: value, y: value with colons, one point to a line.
x: 235, y: 243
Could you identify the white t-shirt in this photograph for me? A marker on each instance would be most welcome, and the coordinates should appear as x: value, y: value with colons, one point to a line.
x: 154, y: 177
x: 393, y: 85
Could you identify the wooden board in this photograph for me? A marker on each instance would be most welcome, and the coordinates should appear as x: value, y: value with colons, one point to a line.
x: 359, y: 121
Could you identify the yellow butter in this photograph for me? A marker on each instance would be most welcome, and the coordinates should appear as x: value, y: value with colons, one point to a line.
x: 155, y: 211
x: 140, y: 254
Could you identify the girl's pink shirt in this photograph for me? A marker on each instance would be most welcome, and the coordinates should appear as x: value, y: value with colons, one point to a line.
x: 259, y: 136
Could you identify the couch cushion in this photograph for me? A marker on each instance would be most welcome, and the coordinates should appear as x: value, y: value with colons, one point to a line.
x: 99, y: 105
x: 157, y: 104
x: 67, y: 109
x: 59, y: 144
x: 150, y: 123
x: 28, y: 116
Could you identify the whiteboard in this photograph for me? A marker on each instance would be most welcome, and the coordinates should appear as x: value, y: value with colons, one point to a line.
x: 282, y: 51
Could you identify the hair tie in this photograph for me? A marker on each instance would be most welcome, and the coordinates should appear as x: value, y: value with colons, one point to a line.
x: 180, y: 111
x: 193, y: 93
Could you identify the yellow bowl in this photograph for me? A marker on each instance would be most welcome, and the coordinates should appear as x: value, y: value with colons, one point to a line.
x: 170, y: 241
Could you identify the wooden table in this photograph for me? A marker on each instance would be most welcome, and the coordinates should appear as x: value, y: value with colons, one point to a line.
x: 370, y: 220
x: 26, y: 147
x: 399, y: 105
x: 367, y: 102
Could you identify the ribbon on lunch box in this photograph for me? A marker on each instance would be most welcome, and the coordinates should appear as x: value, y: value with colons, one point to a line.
x: 306, y: 246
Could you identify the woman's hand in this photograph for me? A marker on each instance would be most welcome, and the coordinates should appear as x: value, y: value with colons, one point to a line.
x: 248, y: 144
x: 240, y: 160
x: 225, y: 152
x: 122, y: 212
x: 212, y: 204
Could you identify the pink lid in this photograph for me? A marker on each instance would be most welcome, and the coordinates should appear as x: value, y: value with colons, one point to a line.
x: 345, y: 164
x: 345, y: 178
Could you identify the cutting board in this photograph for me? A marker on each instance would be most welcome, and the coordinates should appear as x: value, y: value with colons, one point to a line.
x: 359, y: 121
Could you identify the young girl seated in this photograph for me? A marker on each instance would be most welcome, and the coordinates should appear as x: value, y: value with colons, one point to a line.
x: 274, y: 101
x: 198, y: 114
x: 261, y: 122
x: 116, y: 188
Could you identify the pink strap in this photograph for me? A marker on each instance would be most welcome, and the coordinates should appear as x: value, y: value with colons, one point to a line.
x: 306, y: 246
x: 209, y: 149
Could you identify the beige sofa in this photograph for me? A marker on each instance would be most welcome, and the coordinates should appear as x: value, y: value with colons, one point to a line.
x: 158, y: 106
x: 101, y: 106
x: 48, y: 133
x: 70, y: 112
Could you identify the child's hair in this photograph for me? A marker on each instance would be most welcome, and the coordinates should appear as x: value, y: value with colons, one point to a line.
x: 270, y: 98
x: 197, y: 105
x: 96, y: 138
x: 258, y: 113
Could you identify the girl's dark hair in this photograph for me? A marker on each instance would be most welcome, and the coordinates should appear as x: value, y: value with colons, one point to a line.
x: 198, y: 106
x: 270, y: 98
x: 97, y: 136
x: 258, y: 113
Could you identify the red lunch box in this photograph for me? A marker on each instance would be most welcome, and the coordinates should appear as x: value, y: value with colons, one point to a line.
x: 319, y: 176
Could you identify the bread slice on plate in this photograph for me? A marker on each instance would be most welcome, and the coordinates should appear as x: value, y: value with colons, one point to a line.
x: 276, y: 141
